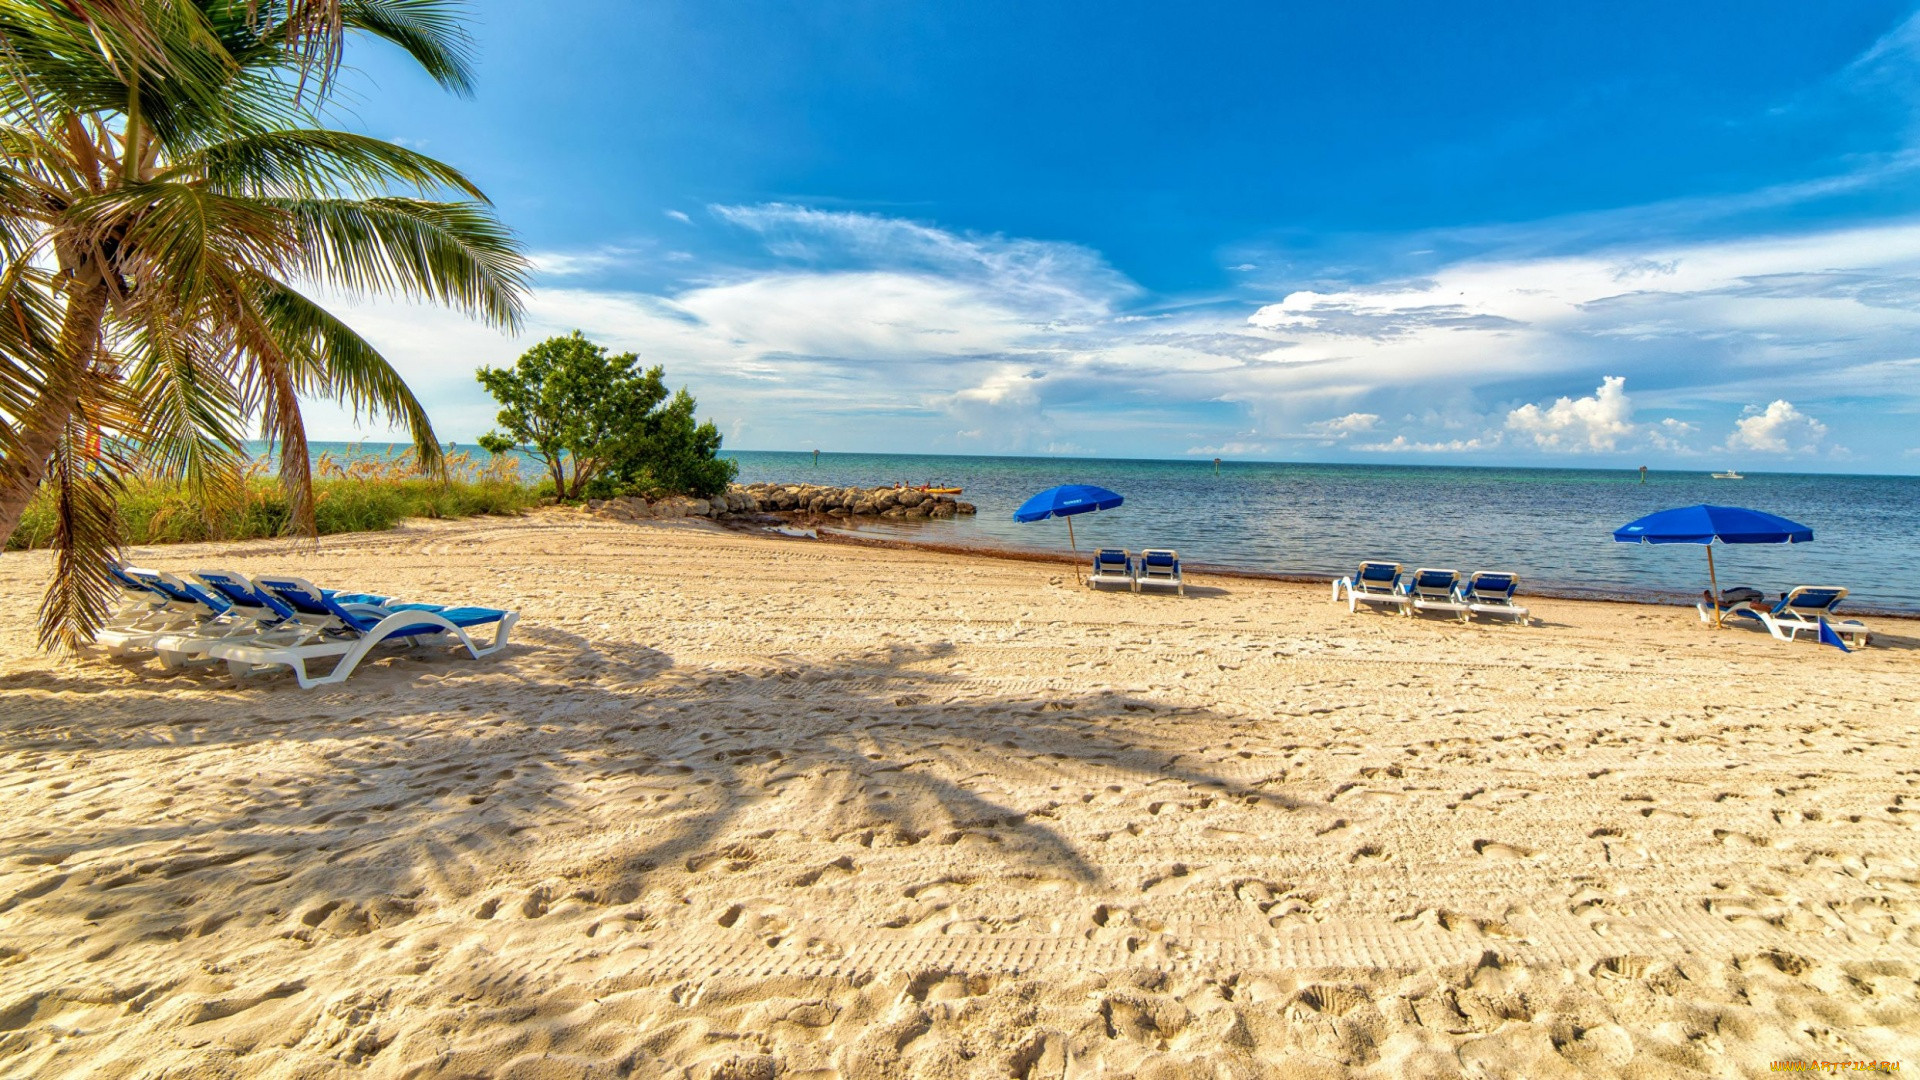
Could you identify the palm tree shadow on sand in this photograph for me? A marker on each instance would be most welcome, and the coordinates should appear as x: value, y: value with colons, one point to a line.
x: 358, y: 808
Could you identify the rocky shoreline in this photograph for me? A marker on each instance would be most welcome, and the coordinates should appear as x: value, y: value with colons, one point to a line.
x: 789, y: 501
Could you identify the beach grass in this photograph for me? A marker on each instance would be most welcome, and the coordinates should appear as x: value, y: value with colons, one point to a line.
x: 353, y: 495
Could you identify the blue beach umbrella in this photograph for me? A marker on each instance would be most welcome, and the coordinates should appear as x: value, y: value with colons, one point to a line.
x: 1066, y: 501
x: 1706, y: 525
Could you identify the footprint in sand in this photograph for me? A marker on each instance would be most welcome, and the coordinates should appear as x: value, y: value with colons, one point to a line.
x: 1327, y: 1000
x: 733, y: 859
x: 1280, y: 903
x: 769, y: 922
x: 1624, y: 967
x: 1494, y: 849
x: 842, y: 865
x: 1166, y: 876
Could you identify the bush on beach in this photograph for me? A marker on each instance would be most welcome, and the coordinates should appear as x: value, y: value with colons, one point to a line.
x: 357, y: 495
x: 602, y: 425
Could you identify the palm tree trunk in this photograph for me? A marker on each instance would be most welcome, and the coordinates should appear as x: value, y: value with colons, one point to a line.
x: 43, y: 423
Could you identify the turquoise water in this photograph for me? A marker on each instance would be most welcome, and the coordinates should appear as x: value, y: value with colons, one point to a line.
x: 1553, y: 526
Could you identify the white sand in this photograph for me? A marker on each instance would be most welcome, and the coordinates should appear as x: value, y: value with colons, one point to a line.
x: 749, y: 807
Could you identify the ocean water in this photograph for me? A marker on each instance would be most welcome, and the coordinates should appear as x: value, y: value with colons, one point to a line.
x: 1552, y: 526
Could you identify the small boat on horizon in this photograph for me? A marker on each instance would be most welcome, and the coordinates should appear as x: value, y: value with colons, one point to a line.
x: 1730, y: 474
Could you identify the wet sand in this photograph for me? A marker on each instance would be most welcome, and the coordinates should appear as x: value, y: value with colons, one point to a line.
x: 739, y: 806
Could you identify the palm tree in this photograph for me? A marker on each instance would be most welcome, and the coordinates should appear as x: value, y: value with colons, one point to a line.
x: 166, y: 190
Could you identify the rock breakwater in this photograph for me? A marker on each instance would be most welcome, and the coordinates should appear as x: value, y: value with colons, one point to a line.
x: 789, y: 500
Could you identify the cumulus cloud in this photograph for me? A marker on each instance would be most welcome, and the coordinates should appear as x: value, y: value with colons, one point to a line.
x: 914, y: 334
x: 1777, y: 429
x: 1671, y: 435
x: 1350, y: 424
x: 1577, y: 424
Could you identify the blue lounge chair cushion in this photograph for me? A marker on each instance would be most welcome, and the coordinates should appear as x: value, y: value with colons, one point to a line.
x: 239, y: 594
x: 463, y: 617
x: 1378, y: 573
x: 127, y: 581
x: 1496, y: 587
x: 1816, y: 600
x: 185, y: 592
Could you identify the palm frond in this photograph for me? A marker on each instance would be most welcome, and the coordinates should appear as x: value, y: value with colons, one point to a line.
x: 86, y: 535
x: 329, y: 359
x: 282, y: 423
x: 177, y: 236
x: 163, y: 174
x: 430, y: 31
x: 29, y: 321
x: 316, y: 163
x: 165, y: 57
x: 188, y: 412
x: 457, y: 254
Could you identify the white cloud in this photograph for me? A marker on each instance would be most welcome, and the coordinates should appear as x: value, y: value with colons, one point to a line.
x: 1047, y: 279
x: 1402, y: 444
x: 1577, y: 424
x: 679, y: 216
x: 1670, y: 435
x: 1778, y: 429
x: 571, y: 263
x: 900, y: 335
x: 1352, y: 423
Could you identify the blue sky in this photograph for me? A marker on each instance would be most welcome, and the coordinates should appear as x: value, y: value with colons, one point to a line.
x: 1677, y: 235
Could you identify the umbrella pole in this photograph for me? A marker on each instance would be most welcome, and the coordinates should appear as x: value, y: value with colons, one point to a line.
x: 1076, y: 552
x: 1714, y: 584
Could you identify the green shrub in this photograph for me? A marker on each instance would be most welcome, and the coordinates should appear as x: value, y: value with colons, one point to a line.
x: 359, y: 497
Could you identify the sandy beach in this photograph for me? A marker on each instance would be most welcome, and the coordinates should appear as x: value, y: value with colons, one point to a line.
x: 740, y: 806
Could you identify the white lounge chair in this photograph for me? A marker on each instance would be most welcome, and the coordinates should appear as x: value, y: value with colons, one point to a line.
x: 1801, y: 610
x: 1739, y: 598
x: 1112, y: 565
x: 1161, y: 567
x: 1374, y: 583
x: 356, y: 630
x: 140, y: 605
x: 1489, y: 592
x: 253, y: 615
x: 183, y: 606
x: 1433, y: 590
